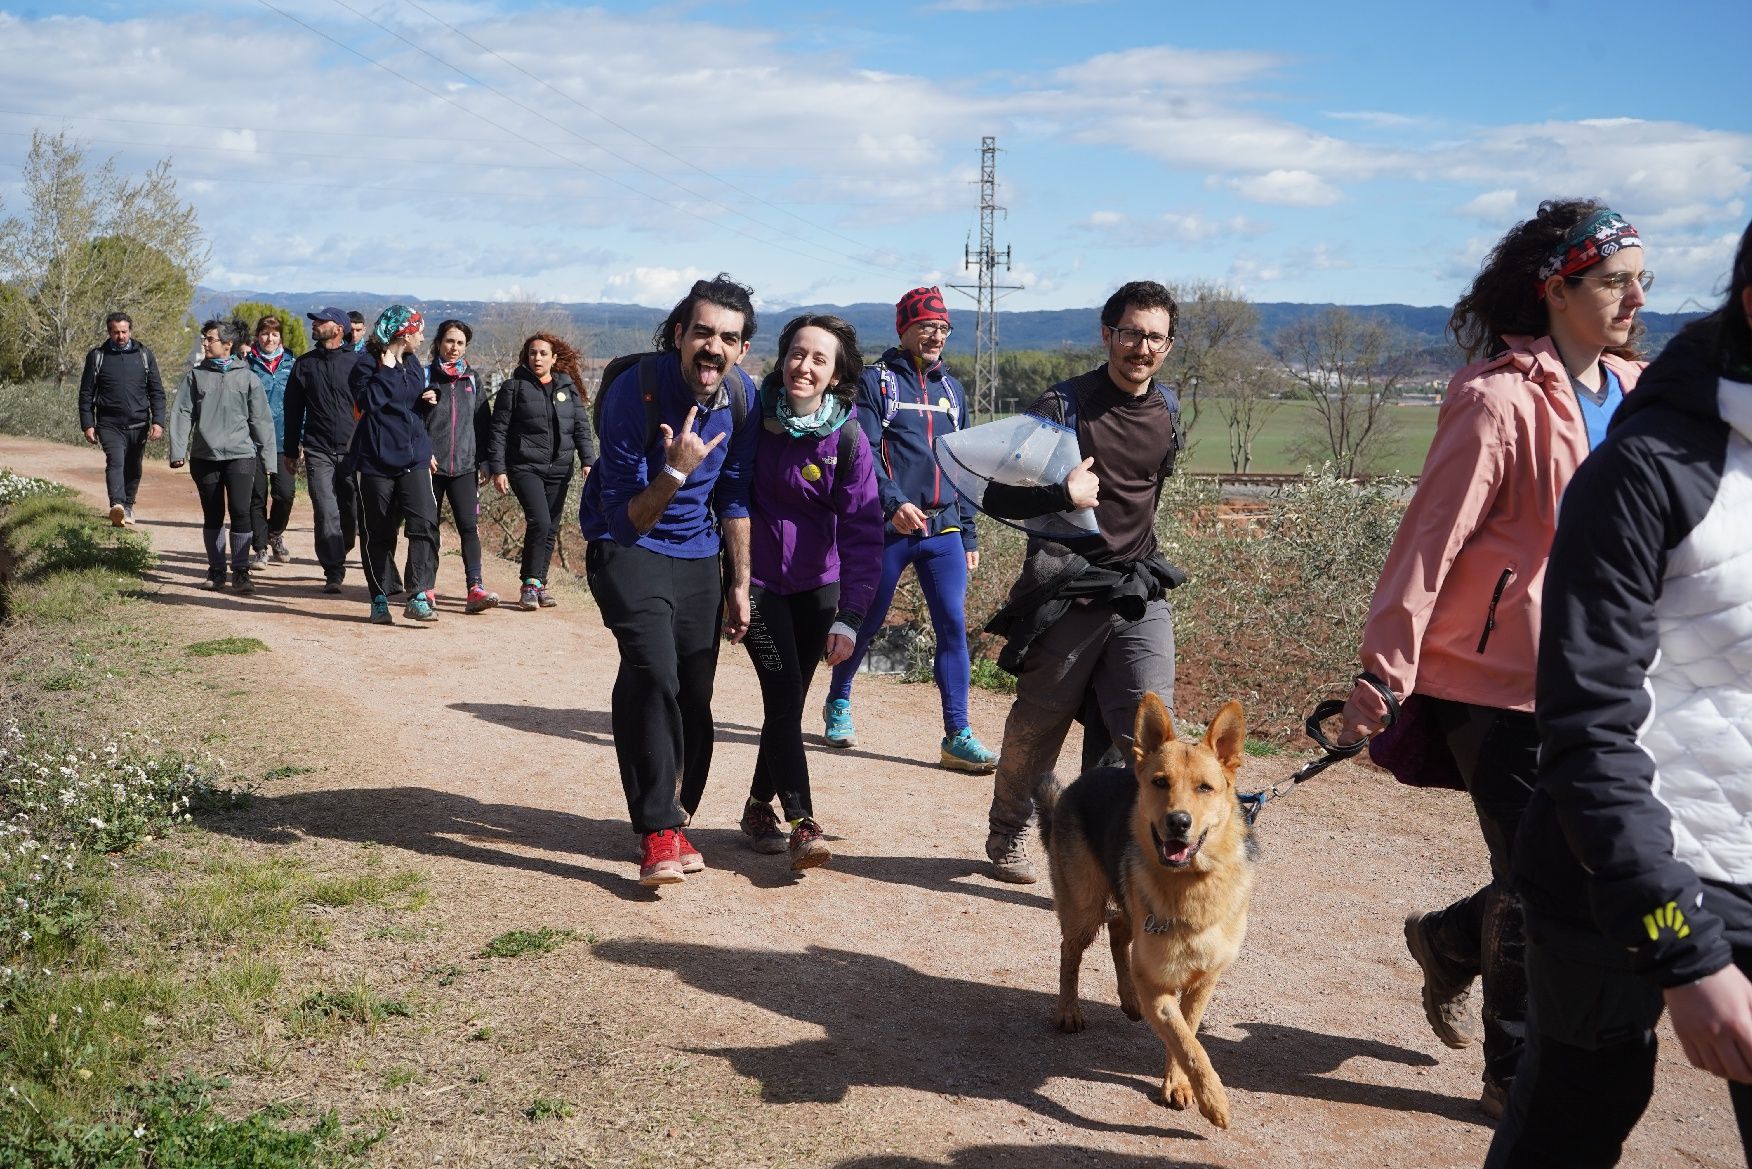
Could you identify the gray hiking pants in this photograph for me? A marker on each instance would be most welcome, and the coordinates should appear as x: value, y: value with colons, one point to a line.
x: 1089, y: 648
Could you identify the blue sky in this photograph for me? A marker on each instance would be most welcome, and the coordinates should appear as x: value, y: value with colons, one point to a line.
x: 1353, y: 153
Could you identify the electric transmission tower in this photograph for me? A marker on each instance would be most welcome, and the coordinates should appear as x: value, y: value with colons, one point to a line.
x: 985, y: 293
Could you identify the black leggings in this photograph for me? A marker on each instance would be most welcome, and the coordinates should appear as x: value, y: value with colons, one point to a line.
x: 385, y: 504
x: 543, y: 496
x: 226, y: 487
x: 464, y: 495
x: 785, y: 640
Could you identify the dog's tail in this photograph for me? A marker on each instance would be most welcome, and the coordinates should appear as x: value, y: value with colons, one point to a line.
x: 1046, y: 794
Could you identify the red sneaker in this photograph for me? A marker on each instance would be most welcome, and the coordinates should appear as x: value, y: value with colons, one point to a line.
x: 662, y: 860
x: 688, y: 855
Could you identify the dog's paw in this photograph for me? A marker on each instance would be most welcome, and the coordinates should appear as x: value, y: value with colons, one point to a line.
x: 1177, y: 1092
x: 1130, y: 1006
x: 1214, y: 1105
x: 1069, y: 1019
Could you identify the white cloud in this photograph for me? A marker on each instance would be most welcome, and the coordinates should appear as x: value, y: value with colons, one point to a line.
x: 1499, y: 206
x: 1286, y: 188
x: 658, y: 287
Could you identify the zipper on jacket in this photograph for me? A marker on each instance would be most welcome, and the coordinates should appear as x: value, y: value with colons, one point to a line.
x: 1490, y: 614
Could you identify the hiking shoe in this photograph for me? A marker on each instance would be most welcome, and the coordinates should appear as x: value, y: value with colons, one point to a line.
x: 661, y: 863
x: 1009, y: 856
x: 963, y: 752
x: 332, y: 583
x: 241, y: 583
x: 379, y: 610
x: 480, y: 600
x: 529, y: 596
x: 277, y: 551
x: 215, y: 580
x: 836, y: 713
x: 1447, y: 992
x: 420, y: 608
x: 761, y: 827
x: 1494, y: 1099
x: 544, y: 598
x: 128, y: 514
x: 688, y: 855
x: 118, y: 515
x: 258, y: 559
x: 808, y: 850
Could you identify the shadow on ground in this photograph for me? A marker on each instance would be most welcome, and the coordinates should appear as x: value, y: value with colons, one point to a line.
x: 885, y: 1024
x: 1025, y: 1157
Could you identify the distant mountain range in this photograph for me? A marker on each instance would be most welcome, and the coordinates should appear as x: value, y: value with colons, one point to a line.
x: 609, y: 329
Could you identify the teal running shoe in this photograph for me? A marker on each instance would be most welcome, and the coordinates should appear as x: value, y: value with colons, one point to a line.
x: 380, y: 611
x: 420, y: 608
x: 963, y: 752
x: 837, y: 714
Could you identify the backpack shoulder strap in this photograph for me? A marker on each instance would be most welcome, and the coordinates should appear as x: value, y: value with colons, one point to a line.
x: 648, y: 391
x: 848, y: 446
x: 889, y: 388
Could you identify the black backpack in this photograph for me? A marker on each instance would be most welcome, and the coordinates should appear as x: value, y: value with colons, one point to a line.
x: 648, y: 388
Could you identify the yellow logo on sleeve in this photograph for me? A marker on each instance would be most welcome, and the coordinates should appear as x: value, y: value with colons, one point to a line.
x: 1667, y: 918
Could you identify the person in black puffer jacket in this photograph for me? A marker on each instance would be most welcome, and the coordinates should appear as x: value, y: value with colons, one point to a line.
x: 540, y: 419
x: 454, y: 422
x: 393, y: 454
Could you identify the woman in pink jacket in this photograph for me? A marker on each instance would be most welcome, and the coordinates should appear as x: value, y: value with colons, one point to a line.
x: 1453, y: 630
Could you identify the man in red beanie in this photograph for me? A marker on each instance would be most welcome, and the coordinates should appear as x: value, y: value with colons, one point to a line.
x: 906, y: 400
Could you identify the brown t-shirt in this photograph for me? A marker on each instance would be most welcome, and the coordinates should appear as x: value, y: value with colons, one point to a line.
x: 1129, y: 438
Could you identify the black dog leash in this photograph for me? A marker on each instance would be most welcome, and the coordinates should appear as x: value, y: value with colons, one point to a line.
x: 1252, y: 803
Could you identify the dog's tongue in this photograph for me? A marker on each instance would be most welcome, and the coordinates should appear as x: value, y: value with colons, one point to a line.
x: 1181, y: 854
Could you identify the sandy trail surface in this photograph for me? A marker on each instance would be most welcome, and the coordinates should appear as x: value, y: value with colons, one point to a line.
x: 893, y: 1009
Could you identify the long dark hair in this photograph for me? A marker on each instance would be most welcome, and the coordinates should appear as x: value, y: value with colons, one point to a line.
x: 848, y: 366
x: 565, y: 359
x: 1733, y: 333
x: 1503, y: 299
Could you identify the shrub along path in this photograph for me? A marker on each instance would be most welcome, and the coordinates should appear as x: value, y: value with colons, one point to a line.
x: 891, y: 1010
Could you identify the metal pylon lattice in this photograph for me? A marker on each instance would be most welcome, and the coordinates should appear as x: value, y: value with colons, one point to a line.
x: 985, y: 293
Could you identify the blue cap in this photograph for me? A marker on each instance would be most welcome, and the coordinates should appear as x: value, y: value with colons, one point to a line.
x: 331, y: 313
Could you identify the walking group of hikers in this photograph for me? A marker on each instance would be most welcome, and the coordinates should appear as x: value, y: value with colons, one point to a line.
x: 1583, y: 672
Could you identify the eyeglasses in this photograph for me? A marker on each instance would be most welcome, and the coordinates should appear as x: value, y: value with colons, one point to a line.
x: 1132, y: 338
x: 1618, y: 284
x: 934, y: 329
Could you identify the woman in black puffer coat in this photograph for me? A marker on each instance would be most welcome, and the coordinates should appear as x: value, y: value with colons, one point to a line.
x: 540, y: 423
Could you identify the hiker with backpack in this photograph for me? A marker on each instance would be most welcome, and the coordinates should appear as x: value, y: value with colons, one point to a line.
x: 221, y: 427
x: 905, y: 400
x: 272, y: 365
x: 678, y: 430
x: 121, y: 409
x: 1090, y: 614
x: 539, y: 425
x: 815, y: 553
x: 393, y: 455
x: 454, y: 421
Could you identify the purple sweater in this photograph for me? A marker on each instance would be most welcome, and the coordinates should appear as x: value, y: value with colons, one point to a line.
x: 814, y: 522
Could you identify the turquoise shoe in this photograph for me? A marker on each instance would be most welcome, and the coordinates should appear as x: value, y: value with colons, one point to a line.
x: 963, y: 752
x: 837, y: 714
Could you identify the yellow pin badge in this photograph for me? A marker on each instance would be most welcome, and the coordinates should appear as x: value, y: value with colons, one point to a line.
x: 560, y: 397
x: 811, y: 472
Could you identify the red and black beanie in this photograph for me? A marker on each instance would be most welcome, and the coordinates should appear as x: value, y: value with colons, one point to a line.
x: 921, y: 304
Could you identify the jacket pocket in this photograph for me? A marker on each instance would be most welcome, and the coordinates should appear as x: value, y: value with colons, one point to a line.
x: 1496, y: 595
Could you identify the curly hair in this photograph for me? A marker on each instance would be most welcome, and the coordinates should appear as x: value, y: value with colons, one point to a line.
x: 720, y: 290
x: 1504, y: 300
x: 848, y: 365
x: 565, y: 360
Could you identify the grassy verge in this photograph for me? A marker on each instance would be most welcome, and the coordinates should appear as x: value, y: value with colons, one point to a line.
x: 126, y: 937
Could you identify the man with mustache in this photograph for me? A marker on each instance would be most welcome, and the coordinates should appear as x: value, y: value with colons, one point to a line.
x: 662, y: 505
x: 1090, y: 616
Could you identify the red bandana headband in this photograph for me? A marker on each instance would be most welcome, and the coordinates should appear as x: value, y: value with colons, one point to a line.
x: 1601, y: 235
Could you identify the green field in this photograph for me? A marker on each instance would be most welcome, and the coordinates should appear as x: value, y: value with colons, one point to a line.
x: 1271, y: 449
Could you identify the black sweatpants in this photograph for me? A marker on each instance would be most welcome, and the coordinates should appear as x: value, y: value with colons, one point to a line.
x: 385, y: 503
x: 124, y: 454
x: 786, y: 636
x: 282, y: 488
x: 1589, y: 1067
x: 464, y: 496
x: 542, y: 492
x: 226, y: 487
x: 664, y: 614
x: 1497, y: 753
x: 258, y: 510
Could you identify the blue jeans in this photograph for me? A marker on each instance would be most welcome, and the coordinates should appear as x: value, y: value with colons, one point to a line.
x: 941, y: 562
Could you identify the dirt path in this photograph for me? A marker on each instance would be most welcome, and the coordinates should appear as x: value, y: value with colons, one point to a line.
x: 891, y: 1010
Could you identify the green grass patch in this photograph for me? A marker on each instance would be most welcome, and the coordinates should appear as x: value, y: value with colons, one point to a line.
x: 987, y: 675
x: 358, y: 1005
x: 521, y: 943
x: 1274, y: 449
x: 403, y: 889
x: 226, y: 645
x: 548, y: 1108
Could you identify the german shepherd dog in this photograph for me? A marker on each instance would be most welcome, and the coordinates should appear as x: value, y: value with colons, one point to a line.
x: 1163, y: 856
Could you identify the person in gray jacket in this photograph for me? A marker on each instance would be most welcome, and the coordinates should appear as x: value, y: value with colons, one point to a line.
x: 222, y: 428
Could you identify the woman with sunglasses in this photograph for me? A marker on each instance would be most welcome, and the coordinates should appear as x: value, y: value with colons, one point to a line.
x: 1550, y: 321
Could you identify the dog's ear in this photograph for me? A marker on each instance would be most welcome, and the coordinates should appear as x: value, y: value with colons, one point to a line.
x: 1227, y: 736
x: 1153, y: 727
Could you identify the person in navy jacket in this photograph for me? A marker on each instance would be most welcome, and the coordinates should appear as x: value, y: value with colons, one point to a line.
x: 657, y: 511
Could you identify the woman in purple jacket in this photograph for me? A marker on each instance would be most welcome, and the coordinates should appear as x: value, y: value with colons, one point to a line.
x: 816, y: 554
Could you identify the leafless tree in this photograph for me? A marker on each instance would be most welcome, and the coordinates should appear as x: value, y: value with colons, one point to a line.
x: 1213, y: 340
x: 1351, y: 370
x: 500, y: 333
x: 1250, y: 396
